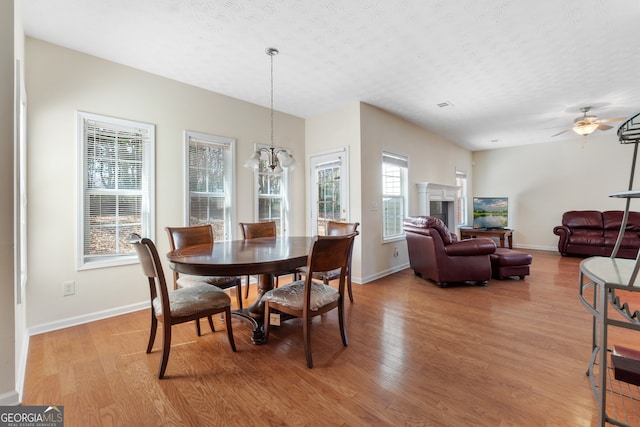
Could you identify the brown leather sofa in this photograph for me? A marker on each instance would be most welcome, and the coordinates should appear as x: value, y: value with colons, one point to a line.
x: 437, y: 254
x: 594, y: 233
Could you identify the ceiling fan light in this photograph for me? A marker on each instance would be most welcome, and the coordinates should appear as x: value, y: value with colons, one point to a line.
x: 585, y: 128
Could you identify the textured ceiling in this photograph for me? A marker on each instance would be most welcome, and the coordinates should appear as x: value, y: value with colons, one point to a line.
x: 514, y: 71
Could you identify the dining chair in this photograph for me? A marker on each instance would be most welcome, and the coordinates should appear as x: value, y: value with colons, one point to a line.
x: 181, y: 237
x: 179, y: 305
x: 336, y: 228
x: 308, y: 298
x: 255, y: 230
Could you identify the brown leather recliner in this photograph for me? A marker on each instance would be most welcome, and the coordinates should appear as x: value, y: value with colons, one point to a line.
x: 436, y: 254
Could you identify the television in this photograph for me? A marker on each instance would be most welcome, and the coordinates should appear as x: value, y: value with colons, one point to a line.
x: 490, y: 212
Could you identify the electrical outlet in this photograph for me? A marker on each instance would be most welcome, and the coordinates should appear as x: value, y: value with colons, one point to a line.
x: 395, y: 252
x: 68, y: 288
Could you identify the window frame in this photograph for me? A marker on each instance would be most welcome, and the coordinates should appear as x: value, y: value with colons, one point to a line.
x: 402, y: 162
x: 462, y: 197
x: 283, y: 229
x: 147, y: 190
x: 229, y: 178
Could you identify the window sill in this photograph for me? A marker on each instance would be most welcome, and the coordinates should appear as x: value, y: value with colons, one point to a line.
x: 107, y: 262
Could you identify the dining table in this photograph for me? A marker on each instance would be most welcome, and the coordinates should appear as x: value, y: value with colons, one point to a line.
x: 262, y: 257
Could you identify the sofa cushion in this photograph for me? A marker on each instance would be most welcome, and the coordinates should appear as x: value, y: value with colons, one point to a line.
x: 629, y: 240
x: 587, y: 239
x: 613, y: 219
x: 583, y: 219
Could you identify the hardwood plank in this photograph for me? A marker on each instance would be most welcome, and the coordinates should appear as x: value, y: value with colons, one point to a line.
x: 510, y: 353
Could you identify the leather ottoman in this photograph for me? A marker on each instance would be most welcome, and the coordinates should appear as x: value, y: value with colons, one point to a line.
x: 509, y: 262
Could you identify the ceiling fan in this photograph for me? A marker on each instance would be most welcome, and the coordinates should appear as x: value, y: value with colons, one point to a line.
x: 586, y: 125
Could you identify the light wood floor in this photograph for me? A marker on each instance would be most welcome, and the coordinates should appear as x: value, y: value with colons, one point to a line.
x: 513, y: 353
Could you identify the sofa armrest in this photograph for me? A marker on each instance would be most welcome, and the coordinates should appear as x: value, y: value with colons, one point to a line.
x: 564, y: 232
x: 470, y: 247
x: 561, y: 230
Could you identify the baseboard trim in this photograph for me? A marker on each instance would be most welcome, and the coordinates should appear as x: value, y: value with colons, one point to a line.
x: 537, y: 248
x: 11, y: 398
x: 380, y: 274
x: 86, y: 318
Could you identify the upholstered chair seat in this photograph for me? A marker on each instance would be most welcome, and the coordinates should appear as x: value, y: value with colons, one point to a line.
x: 187, y: 281
x: 293, y: 295
x: 193, y: 299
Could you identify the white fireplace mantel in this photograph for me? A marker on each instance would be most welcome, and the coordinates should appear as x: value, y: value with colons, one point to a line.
x: 431, y: 192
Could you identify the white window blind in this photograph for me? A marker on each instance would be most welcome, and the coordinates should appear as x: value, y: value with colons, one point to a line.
x: 116, y: 197
x: 210, y: 182
x: 394, y: 194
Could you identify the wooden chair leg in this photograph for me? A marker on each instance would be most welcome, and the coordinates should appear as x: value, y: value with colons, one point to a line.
x: 306, y: 334
x: 166, y: 347
x: 213, y: 329
x: 198, y: 327
x: 227, y: 320
x: 152, y: 332
x: 343, y: 331
x: 246, y: 289
x: 349, y: 289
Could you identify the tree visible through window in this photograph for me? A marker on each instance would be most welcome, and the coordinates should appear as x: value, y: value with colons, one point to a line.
x: 394, y: 194
x: 116, y: 187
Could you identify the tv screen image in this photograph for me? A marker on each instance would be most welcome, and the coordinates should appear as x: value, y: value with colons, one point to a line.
x: 490, y: 212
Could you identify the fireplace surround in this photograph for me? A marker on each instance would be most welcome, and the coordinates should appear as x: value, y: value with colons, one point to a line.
x: 438, y: 200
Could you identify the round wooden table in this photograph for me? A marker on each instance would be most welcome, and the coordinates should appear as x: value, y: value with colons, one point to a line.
x: 263, y: 257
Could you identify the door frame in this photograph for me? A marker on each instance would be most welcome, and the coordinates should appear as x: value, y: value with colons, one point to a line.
x: 341, y: 154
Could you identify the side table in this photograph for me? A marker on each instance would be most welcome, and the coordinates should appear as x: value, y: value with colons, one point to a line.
x: 500, y: 233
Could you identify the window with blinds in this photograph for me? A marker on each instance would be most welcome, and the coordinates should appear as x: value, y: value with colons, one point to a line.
x: 116, y: 188
x: 272, y: 193
x: 394, y: 194
x: 210, y: 182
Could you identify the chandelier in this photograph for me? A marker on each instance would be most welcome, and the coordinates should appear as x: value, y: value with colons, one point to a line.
x: 277, y: 158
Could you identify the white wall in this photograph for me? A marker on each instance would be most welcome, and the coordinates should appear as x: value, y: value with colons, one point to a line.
x: 431, y: 158
x: 8, y: 393
x: 543, y: 181
x: 59, y: 83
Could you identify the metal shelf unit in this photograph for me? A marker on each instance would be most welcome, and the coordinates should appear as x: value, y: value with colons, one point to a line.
x: 600, y: 277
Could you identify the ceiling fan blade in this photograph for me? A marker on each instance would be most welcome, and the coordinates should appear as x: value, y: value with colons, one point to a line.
x: 604, y: 127
x: 614, y: 119
x: 560, y: 133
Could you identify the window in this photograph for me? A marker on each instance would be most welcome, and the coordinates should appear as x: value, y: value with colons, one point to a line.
x: 394, y: 194
x: 210, y: 182
x: 116, y: 188
x: 461, y: 198
x: 272, y: 190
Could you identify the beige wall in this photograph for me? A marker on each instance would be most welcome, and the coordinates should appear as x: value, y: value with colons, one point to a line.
x: 59, y: 83
x: 544, y: 180
x: 431, y: 158
x: 332, y: 131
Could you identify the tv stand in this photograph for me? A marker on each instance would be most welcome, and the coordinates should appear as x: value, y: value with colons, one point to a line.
x: 500, y: 233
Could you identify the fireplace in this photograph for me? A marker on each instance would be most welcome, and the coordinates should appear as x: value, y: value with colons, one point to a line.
x: 438, y: 200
